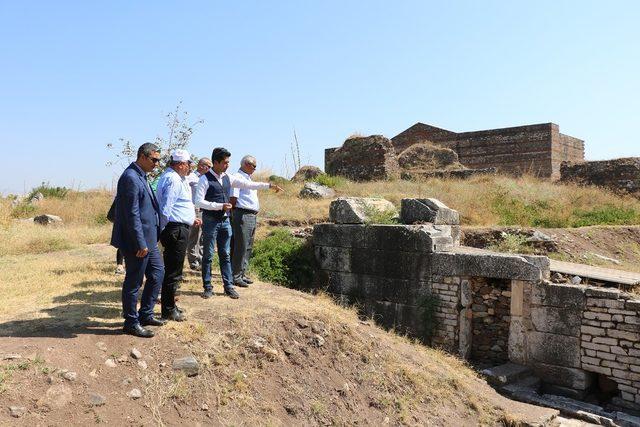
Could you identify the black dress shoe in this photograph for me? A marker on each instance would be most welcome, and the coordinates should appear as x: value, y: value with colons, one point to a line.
x: 175, y: 315
x: 241, y: 284
x: 231, y: 293
x: 138, y: 331
x: 247, y: 280
x: 152, y: 321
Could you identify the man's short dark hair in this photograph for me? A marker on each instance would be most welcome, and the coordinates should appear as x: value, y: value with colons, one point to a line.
x: 147, y: 148
x: 219, y: 154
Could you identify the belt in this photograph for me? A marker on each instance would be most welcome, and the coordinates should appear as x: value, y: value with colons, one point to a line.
x: 249, y: 211
x: 178, y: 223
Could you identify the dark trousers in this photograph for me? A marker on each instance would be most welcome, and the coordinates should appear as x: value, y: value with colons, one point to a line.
x: 119, y: 257
x: 174, y: 238
x: 216, y: 231
x: 137, y: 269
x: 243, y: 224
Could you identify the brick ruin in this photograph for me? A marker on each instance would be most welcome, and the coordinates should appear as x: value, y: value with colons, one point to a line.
x: 619, y: 175
x: 484, y: 306
x: 537, y: 149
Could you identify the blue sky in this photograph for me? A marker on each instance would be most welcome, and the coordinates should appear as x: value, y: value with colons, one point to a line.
x: 75, y: 76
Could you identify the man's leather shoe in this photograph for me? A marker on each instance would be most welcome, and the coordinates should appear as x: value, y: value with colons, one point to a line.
x: 247, y: 280
x: 138, y: 331
x: 152, y: 321
x: 241, y: 284
x: 231, y: 293
x: 207, y: 293
x: 175, y: 315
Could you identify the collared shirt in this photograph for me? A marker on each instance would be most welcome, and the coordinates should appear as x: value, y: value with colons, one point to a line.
x: 174, y: 198
x: 236, y: 181
x: 247, y: 199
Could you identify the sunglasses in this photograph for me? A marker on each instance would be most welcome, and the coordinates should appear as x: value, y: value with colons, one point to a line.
x: 155, y: 160
x: 253, y: 165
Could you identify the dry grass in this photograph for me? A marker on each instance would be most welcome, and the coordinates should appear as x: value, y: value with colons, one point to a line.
x: 481, y: 200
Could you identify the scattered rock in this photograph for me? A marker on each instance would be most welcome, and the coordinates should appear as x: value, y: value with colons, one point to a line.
x: 56, y: 397
x: 95, y: 399
x: 93, y: 374
x: 433, y: 211
x: 606, y: 258
x: 12, y: 356
x: 121, y: 359
x: 539, y: 236
x: 302, y: 323
x: 558, y: 278
x: 102, y: 346
x: 270, y: 352
x: 576, y: 280
x: 358, y: 210
x: 37, y: 198
x: 344, y: 390
x: 135, y: 353
x: 257, y: 343
x: 127, y: 381
x: 17, y: 411
x: 110, y: 363
x: 204, y: 407
x: 313, y: 190
x: 142, y: 364
x: 146, y: 379
x: 306, y: 173
x: 135, y: 393
x: 189, y: 365
x: 318, y: 340
x: 70, y: 376
x: 48, y: 219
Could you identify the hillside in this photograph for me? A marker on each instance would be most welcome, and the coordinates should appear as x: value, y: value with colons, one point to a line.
x: 275, y: 357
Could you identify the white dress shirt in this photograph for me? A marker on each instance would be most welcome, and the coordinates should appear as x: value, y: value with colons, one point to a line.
x: 236, y: 181
x: 174, y: 199
x: 247, y: 199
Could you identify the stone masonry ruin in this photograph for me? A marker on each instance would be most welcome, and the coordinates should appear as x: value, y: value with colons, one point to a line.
x: 484, y: 306
x: 537, y: 149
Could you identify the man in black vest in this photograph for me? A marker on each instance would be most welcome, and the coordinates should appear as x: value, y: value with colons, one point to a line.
x: 212, y: 197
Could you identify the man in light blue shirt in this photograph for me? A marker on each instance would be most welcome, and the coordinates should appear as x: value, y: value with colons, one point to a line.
x: 177, y: 215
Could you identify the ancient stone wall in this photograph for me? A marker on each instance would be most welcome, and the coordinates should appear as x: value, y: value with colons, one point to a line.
x: 491, y: 317
x: 538, y: 149
x: 619, y: 175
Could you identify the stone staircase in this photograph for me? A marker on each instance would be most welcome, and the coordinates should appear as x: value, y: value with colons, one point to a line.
x: 519, y: 383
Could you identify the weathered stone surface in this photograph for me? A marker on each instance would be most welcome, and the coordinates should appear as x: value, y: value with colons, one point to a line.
x: 426, y: 156
x: 620, y: 175
x: 554, y: 349
x: 96, y: 399
x: 47, y: 219
x: 17, y: 411
x: 556, y: 320
x: 447, y: 174
x: 339, y: 235
x: 410, y: 238
x: 427, y: 210
x: 563, y: 296
x: 313, y: 190
x: 517, y: 345
x: 404, y: 265
x: 506, y: 373
x: 334, y: 258
x: 56, y: 397
x: 306, y: 173
x: 358, y: 210
x: 37, y: 198
x: 563, y: 376
x: 189, y: 365
x: 495, y: 265
x: 364, y: 159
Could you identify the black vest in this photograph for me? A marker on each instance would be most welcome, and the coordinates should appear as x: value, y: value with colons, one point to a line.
x: 217, y: 192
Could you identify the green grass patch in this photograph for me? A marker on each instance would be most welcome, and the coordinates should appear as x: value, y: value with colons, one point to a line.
x: 606, y: 215
x: 49, y: 192
x: 330, y: 180
x: 24, y: 210
x: 283, y: 259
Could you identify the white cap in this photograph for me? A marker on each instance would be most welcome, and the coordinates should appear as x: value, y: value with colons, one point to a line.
x: 180, y: 155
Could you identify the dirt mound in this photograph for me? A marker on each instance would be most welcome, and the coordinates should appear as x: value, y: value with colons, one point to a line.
x: 306, y: 173
x: 275, y: 356
x: 427, y: 156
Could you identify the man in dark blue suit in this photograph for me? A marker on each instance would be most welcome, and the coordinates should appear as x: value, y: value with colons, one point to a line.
x: 136, y: 228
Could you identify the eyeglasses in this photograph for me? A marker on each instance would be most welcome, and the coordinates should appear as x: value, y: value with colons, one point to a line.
x: 253, y: 165
x: 155, y: 160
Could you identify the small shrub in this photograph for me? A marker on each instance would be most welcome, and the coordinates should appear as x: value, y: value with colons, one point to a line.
x: 283, y: 259
x: 512, y: 243
x: 49, y: 191
x: 374, y: 216
x: 277, y: 179
x: 330, y: 180
x: 24, y: 210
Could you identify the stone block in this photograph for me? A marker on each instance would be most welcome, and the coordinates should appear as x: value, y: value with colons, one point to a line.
x: 563, y: 296
x: 554, y: 349
x: 313, y: 190
x: 370, y: 158
x: 592, y: 330
x: 339, y: 235
x: 433, y: 211
x: 556, y: 320
x: 410, y: 238
x: 391, y: 264
x: 625, y: 335
x: 517, y: 345
x: 597, y: 369
x: 493, y: 265
x: 517, y: 297
x: 333, y: 259
x: 633, y: 305
x: 602, y: 293
x: 358, y: 210
x: 560, y: 375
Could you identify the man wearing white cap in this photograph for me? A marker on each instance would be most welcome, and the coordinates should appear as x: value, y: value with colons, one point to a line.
x: 177, y: 215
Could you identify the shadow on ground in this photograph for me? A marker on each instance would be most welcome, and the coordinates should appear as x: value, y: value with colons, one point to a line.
x: 84, y: 311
